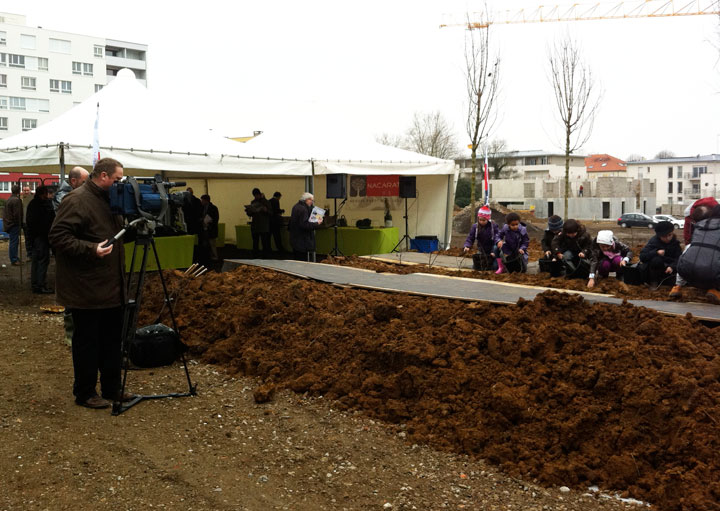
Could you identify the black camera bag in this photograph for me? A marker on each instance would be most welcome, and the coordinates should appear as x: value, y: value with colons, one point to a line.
x: 155, y: 346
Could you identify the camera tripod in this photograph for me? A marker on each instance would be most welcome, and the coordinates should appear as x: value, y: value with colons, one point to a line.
x: 145, y: 229
x: 406, y: 236
x: 336, y: 251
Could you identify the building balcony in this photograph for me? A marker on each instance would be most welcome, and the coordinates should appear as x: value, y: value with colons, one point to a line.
x: 124, y: 62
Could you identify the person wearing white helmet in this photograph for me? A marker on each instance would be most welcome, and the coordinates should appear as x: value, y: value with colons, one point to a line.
x: 608, y: 254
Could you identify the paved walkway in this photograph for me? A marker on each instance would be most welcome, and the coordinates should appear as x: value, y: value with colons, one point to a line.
x: 455, y: 287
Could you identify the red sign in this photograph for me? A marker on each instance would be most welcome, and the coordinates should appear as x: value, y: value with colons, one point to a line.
x: 383, y: 186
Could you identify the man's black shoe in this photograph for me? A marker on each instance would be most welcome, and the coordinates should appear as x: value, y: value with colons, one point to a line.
x: 95, y: 402
x: 43, y: 291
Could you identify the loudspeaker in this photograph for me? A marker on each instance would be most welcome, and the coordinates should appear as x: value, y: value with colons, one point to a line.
x: 407, y: 187
x: 335, y: 185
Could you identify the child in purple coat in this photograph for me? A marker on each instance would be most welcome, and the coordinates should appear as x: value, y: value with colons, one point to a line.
x: 486, y: 233
x: 514, y: 241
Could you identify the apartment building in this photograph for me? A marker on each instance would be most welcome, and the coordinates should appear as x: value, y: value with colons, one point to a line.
x: 681, y: 180
x: 43, y: 73
x: 535, y: 164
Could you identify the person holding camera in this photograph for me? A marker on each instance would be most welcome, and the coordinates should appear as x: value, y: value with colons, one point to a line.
x: 90, y: 283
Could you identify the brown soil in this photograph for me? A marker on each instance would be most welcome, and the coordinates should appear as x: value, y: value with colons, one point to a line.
x: 555, y: 389
x: 610, y: 286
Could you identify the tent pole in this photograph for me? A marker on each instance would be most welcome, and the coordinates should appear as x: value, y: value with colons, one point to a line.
x: 62, y: 162
x: 311, y: 188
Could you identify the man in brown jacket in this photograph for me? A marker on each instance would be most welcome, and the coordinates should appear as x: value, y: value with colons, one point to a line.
x: 90, y: 283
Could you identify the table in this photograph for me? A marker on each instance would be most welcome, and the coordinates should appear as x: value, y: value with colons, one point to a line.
x: 173, y: 251
x: 351, y: 240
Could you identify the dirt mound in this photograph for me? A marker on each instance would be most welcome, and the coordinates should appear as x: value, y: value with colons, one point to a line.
x: 554, y: 389
x: 608, y: 286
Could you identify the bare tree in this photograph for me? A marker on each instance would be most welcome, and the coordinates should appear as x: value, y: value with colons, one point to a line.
x: 497, y: 159
x: 391, y: 140
x: 635, y: 157
x: 664, y: 154
x: 431, y: 134
x: 482, y: 81
x: 577, y: 98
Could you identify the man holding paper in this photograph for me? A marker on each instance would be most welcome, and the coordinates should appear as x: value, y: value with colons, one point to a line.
x: 304, y: 219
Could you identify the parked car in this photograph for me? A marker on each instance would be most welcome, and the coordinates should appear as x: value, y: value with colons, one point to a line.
x: 677, y: 222
x: 636, y: 220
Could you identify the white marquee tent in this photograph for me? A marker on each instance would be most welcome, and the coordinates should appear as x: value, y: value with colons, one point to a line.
x: 148, y: 136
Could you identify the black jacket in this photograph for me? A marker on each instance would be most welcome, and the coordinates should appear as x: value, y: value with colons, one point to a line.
x: 212, y: 228
x: 582, y: 242
x: 547, y: 240
x: 700, y: 263
x: 672, y: 251
x: 302, y: 235
x: 40, y: 216
x: 259, y: 211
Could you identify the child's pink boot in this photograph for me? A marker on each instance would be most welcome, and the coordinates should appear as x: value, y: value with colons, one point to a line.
x: 501, y: 267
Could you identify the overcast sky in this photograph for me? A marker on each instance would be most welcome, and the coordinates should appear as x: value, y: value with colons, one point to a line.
x: 365, y: 67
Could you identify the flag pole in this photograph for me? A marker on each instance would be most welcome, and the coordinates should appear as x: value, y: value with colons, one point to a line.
x: 96, y: 137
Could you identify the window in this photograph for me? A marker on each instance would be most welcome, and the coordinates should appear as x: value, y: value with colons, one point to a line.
x: 679, y: 187
x: 3, y: 80
x: 29, y: 124
x: 16, y: 60
x: 88, y: 69
x: 697, y: 171
x: 27, y: 42
x: 17, y: 103
x: 37, y: 105
x: 3, y: 102
x: 98, y: 87
x: 3, y: 123
x: 76, y: 68
x: 28, y: 82
x: 3, y: 37
x: 42, y: 64
x: 60, y: 46
x: 669, y: 200
x: 670, y: 187
x: 679, y: 172
x: 99, y: 51
x: 3, y: 59
x: 5, y: 185
x: 66, y: 87
x: 54, y: 85
x: 670, y: 172
x: 543, y: 160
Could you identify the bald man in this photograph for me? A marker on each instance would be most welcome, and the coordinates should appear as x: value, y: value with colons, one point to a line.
x: 76, y: 178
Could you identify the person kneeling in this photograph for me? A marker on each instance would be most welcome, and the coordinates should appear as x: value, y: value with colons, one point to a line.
x: 699, y: 265
x: 608, y: 254
x: 485, y: 233
x: 512, y: 249
x: 659, y: 258
x: 573, y: 246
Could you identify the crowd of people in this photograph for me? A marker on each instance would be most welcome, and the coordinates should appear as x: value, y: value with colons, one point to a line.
x: 569, y: 250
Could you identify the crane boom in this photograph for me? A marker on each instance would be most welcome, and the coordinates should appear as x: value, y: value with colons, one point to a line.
x: 595, y: 11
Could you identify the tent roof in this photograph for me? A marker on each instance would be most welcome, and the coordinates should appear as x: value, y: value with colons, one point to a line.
x: 143, y: 132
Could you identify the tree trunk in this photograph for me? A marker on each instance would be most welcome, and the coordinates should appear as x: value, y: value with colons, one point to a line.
x: 472, y: 180
x: 567, y: 171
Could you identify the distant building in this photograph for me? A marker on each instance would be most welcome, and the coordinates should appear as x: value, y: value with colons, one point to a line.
x: 604, y: 165
x: 680, y: 180
x: 535, y: 164
x: 43, y: 73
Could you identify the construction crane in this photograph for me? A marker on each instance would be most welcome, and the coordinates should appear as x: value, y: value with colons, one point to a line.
x: 596, y: 11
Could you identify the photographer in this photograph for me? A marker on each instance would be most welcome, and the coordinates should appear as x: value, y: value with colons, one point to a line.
x: 90, y: 283
x: 76, y: 177
x: 259, y: 211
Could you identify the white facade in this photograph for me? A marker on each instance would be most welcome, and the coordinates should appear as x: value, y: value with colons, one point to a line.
x: 535, y: 164
x: 680, y: 180
x: 43, y: 73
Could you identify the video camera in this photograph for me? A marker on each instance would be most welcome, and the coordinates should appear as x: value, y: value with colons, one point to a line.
x: 145, y: 198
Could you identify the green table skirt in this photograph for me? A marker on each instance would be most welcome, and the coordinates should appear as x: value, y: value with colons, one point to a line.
x: 220, y: 242
x: 351, y: 240
x: 174, y: 252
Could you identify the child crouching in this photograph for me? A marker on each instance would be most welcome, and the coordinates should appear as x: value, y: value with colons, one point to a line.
x: 512, y: 253
x: 486, y: 233
x: 608, y: 254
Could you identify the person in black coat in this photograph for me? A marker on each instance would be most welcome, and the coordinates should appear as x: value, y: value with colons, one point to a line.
x: 276, y: 220
x: 659, y: 258
x: 40, y: 216
x: 208, y: 236
x: 302, y: 231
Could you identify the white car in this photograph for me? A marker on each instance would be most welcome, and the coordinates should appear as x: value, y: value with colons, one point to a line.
x: 678, y: 223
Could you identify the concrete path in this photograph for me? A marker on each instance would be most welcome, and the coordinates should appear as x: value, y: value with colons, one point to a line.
x: 455, y: 287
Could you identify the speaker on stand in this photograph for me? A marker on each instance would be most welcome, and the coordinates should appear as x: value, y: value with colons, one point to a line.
x: 407, y: 191
x: 335, y: 185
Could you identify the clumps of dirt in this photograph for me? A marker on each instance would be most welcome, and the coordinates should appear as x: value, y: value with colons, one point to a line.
x: 556, y: 389
x: 609, y: 286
